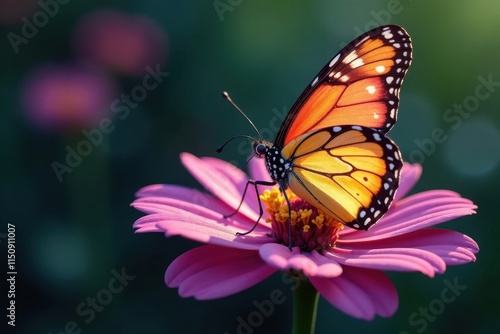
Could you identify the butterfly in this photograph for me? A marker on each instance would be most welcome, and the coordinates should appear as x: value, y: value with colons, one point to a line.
x: 331, y: 149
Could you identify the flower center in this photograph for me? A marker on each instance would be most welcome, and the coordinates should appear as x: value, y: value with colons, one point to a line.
x: 311, y: 228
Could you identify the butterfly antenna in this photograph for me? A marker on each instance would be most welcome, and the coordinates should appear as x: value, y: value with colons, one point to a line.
x: 227, y: 97
x: 220, y: 148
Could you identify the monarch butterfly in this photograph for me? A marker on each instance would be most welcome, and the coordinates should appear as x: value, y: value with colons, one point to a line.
x: 332, y: 150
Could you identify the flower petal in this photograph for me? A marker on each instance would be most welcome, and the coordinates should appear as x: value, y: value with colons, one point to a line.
x: 212, y: 229
x: 159, y: 198
x: 361, y: 293
x: 224, y: 181
x: 311, y: 264
x: 258, y: 170
x: 414, y: 213
x: 396, y: 259
x: 453, y: 247
x: 210, y: 272
x: 410, y: 174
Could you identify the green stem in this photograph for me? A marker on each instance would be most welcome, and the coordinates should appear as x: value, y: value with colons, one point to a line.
x: 305, y: 308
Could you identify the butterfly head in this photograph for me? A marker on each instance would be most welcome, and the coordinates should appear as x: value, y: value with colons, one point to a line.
x: 260, y: 148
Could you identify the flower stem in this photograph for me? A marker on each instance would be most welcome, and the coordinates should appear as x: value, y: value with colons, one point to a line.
x: 305, y: 307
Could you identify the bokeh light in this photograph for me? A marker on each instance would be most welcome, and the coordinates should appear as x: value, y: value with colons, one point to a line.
x: 125, y: 43
x: 67, y: 97
x: 472, y: 149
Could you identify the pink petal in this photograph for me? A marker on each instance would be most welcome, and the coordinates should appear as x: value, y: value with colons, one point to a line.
x: 311, y: 264
x: 453, y: 247
x: 396, y: 259
x: 414, y: 213
x: 361, y: 293
x: 177, y: 204
x: 258, y: 170
x: 257, y: 166
x: 214, y: 230
x: 210, y: 272
x: 410, y: 174
x: 160, y: 198
x: 223, y: 180
x: 177, y: 210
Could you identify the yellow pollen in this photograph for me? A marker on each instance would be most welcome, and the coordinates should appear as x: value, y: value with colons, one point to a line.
x: 304, y: 218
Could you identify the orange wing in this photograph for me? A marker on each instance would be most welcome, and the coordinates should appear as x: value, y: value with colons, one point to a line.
x: 348, y: 172
x: 360, y: 85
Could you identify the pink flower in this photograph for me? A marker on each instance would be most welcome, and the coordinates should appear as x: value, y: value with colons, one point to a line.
x: 347, y: 270
x: 67, y: 97
x: 123, y: 42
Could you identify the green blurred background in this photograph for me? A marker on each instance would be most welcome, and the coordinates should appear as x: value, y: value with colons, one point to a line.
x: 71, y: 235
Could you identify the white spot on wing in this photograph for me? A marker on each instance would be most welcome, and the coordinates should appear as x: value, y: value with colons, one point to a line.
x: 371, y: 89
x: 388, y: 35
x: 389, y: 80
x: 334, y: 60
x: 350, y: 57
x: 357, y: 63
x: 315, y: 81
x: 380, y: 68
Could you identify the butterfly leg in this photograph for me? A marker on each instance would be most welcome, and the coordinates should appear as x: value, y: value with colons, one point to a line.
x: 283, y: 187
x: 261, y: 211
x: 255, y: 183
x: 241, y: 202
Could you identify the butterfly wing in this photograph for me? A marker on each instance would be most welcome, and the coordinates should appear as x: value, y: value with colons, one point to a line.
x: 360, y: 85
x: 349, y: 172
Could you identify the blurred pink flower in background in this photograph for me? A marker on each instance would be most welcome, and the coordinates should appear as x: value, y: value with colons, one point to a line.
x: 67, y: 97
x: 348, y: 271
x: 123, y: 42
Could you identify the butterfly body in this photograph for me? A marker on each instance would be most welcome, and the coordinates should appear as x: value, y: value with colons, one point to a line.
x: 278, y: 166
